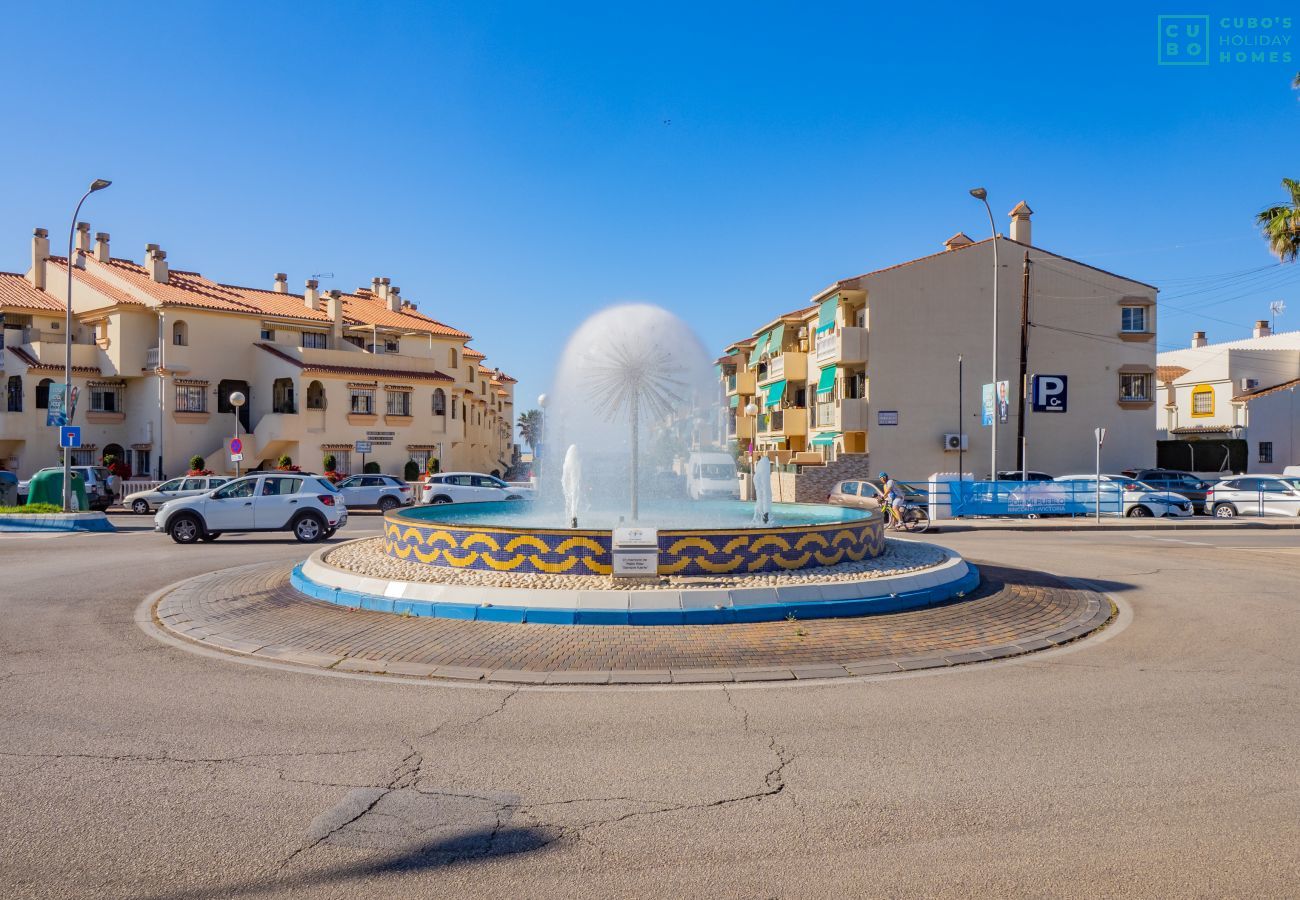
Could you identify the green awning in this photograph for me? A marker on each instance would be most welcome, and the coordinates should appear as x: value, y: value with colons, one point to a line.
x: 825, y: 439
x: 759, y: 346
x: 826, y: 380
x: 775, y: 391
x: 778, y: 335
x: 735, y: 399
x: 826, y: 315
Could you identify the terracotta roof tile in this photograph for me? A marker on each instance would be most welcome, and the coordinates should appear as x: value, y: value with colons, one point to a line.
x: 365, y: 308
x: 36, y: 365
x: 324, y: 369
x: 1260, y: 392
x: 1203, y: 429
x: 471, y: 353
x: 16, y: 291
x: 1166, y: 374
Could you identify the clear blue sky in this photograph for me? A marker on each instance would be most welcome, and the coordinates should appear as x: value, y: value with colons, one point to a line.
x: 516, y: 166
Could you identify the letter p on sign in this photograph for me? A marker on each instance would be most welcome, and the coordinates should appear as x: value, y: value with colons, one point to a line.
x: 1050, y: 393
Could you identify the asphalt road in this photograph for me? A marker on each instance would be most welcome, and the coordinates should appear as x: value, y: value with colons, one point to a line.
x: 1158, y: 760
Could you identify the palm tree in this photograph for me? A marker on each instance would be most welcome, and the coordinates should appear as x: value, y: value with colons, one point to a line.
x: 530, y: 428
x: 1281, y: 224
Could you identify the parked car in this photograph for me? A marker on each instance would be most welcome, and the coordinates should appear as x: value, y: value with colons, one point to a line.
x: 466, y: 487
x: 1255, y: 495
x: 307, y: 505
x: 868, y: 494
x: 1124, y: 496
x: 1184, y: 483
x: 98, y: 493
x: 712, y: 474
x: 1016, y: 475
x: 141, y: 502
x: 381, y: 492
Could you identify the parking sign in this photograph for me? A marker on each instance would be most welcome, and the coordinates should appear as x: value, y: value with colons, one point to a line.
x: 1049, y: 393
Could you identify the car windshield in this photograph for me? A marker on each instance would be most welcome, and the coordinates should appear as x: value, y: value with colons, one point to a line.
x: 717, y: 471
x: 327, y: 485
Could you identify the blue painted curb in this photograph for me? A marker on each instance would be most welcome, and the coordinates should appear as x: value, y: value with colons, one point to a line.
x: 43, y: 522
x: 766, y: 612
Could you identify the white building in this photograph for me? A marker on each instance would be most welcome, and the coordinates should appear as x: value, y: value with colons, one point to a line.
x: 1235, y: 390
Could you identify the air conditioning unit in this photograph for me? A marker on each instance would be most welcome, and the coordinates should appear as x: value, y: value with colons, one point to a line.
x: 1249, y: 384
x: 954, y: 442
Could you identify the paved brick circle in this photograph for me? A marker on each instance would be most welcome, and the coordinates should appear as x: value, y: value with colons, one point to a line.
x: 253, y: 610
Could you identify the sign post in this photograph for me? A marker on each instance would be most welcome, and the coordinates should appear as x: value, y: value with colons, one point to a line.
x: 363, y: 447
x: 1100, y: 434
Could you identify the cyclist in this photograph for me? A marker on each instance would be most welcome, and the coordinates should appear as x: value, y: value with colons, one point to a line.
x: 892, y: 497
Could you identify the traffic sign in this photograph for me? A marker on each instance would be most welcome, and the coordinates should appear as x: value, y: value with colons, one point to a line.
x: 236, y: 457
x: 70, y: 437
x: 236, y: 446
x: 1050, y: 393
x: 362, y: 447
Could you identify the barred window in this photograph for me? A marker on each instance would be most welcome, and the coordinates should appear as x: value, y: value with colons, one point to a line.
x: 106, y: 398
x: 191, y: 398
x: 1266, y: 451
x: 399, y: 403
x: 363, y: 401
x: 439, y: 402
x: 1133, y: 386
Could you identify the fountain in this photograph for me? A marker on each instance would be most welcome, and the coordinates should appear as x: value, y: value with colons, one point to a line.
x: 633, y: 395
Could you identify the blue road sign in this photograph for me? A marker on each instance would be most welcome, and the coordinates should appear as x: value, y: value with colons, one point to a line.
x: 70, y: 437
x: 1050, y: 393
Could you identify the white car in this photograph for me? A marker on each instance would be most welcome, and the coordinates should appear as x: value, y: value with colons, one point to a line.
x: 381, y: 492
x: 307, y: 505
x: 1135, y: 499
x: 467, y: 487
x: 142, y: 502
x: 1254, y: 495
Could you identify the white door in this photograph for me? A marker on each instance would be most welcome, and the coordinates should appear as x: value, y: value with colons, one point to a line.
x: 277, y: 501
x: 168, y: 490
x: 460, y: 488
x: 487, y: 489
x: 1279, y: 499
x: 231, y: 507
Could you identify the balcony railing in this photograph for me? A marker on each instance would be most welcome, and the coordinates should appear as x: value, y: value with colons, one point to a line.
x: 791, y: 365
x: 841, y: 345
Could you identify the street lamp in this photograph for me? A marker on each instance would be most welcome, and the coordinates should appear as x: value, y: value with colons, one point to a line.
x: 751, y: 411
x: 983, y: 196
x: 97, y: 185
x: 542, y: 400
x: 237, y: 399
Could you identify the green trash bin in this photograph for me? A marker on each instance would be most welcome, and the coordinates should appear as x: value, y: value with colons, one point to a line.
x: 46, y: 486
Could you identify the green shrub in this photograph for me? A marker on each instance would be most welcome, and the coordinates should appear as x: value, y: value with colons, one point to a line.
x: 196, y: 463
x: 371, y: 468
x: 434, y: 466
x: 330, y: 463
x: 31, y: 509
x: 284, y: 462
x: 411, y: 471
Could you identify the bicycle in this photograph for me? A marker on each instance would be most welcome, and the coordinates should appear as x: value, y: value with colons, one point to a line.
x: 912, y: 518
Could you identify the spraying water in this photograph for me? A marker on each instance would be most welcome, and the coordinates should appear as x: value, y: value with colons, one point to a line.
x: 763, y: 491
x: 571, y: 483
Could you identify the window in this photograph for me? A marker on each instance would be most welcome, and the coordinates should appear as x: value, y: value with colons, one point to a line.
x: 314, y: 340
x: 237, y: 489
x: 281, y: 487
x: 399, y: 403
x: 268, y: 334
x: 171, y: 486
x: 1133, y: 319
x: 43, y: 393
x: 193, y: 484
x: 342, y: 460
x: 106, y: 398
x: 191, y: 398
x: 142, y: 463
x: 1203, y: 400
x: 282, y: 398
x: 83, y: 456
x: 1133, y: 386
x: 440, y: 401
x: 420, y: 458
x: 1266, y: 451
x: 315, y: 395
x: 363, y: 401
x: 356, y: 341
x: 391, y: 345
x: 180, y: 334
x: 14, y: 393
x: 452, y: 362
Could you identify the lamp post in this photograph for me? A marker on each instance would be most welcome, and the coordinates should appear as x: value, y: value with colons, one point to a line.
x: 983, y: 196
x: 542, y: 400
x: 237, y: 399
x: 751, y: 411
x: 97, y: 185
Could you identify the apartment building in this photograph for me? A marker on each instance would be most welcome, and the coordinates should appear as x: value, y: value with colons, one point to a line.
x: 158, y: 353
x: 1232, y: 405
x: 869, y: 366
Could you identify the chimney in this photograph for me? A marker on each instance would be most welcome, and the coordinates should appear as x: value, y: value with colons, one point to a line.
x: 1262, y: 328
x: 155, y: 263
x: 374, y: 285
x: 1020, y: 229
x: 960, y: 239
x: 1198, y: 339
x: 40, y: 253
x: 281, y: 283
x: 83, y: 237
x: 310, y: 295
x: 101, y: 247
x: 334, y: 308
x: 394, y: 299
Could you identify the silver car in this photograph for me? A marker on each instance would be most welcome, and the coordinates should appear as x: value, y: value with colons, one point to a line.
x: 142, y: 502
x: 381, y: 492
x: 1254, y: 495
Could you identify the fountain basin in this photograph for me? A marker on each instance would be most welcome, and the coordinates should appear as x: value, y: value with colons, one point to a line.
x: 505, y: 537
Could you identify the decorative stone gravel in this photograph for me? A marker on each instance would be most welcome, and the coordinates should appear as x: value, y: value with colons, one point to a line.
x: 366, y: 557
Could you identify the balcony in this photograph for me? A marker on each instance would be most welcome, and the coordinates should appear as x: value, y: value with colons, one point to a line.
x: 177, y: 358
x: 791, y: 422
x: 792, y: 366
x: 741, y: 383
x: 48, y: 349
x: 842, y: 345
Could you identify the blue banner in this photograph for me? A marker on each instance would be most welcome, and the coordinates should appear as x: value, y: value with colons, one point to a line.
x: 987, y: 403
x: 54, y: 411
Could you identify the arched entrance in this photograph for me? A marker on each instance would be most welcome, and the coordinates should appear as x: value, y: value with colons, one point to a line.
x: 115, y: 451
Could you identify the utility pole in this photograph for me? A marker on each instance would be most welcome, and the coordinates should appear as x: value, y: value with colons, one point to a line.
x: 1024, y: 367
x: 961, y: 442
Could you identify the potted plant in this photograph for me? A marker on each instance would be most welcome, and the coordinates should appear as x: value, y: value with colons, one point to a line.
x: 196, y: 467
x: 411, y: 471
x: 285, y: 464
x: 331, y: 464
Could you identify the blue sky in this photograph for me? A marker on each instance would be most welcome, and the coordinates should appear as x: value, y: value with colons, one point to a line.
x: 514, y: 167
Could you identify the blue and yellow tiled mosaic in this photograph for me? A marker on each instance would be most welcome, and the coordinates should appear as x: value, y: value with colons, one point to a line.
x: 579, y: 552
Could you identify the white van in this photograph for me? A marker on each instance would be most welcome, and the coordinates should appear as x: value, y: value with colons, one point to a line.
x: 712, y: 474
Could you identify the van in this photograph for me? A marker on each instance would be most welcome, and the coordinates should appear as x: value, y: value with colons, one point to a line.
x: 712, y: 474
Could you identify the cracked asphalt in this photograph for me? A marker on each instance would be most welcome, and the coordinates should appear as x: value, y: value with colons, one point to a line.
x: 1158, y: 759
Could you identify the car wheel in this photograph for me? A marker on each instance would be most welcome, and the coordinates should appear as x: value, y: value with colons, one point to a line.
x: 139, y: 507
x: 1139, y: 512
x: 1225, y: 511
x: 185, y: 529
x: 210, y: 536
x: 329, y: 533
x: 441, y: 498
x: 388, y: 504
x: 308, y: 529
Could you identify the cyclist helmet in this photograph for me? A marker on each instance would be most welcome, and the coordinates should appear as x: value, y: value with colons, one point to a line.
x: 884, y: 476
